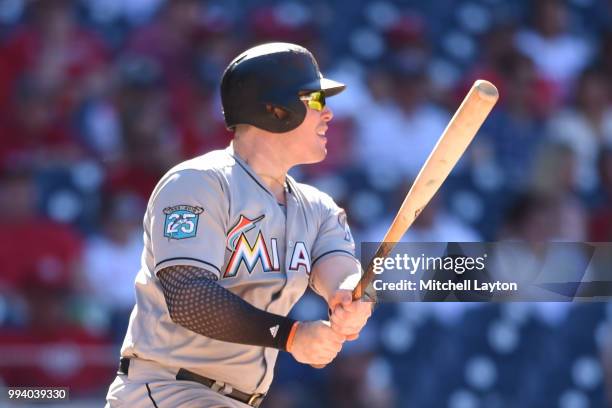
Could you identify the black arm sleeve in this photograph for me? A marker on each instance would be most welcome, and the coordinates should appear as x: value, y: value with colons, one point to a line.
x: 198, y: 303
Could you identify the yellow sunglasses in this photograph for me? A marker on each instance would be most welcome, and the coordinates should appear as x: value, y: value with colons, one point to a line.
x: 315, y: 100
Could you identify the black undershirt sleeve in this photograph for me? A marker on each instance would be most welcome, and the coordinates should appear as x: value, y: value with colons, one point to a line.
x: 197, y: 302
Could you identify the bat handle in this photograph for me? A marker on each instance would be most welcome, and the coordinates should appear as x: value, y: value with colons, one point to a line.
x: 356, y: 295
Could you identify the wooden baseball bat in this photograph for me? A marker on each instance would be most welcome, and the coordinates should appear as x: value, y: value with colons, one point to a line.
x: 458, y: 134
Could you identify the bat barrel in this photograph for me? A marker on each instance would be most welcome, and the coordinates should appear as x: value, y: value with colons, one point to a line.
x: 455, y: 139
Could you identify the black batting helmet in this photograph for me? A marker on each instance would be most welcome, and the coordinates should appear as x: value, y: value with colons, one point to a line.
x: 272, y: 74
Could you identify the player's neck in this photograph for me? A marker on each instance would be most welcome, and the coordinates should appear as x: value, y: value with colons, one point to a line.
x: 266, y: 162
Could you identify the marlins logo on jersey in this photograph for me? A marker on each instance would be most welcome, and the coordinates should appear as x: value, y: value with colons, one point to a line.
x: 244, y: 252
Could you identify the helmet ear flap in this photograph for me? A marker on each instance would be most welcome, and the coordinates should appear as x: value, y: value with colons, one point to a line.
x: 279, y: 113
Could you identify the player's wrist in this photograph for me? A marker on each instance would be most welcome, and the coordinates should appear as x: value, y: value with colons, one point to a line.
x: 281, y: 331
x: 291, y: 336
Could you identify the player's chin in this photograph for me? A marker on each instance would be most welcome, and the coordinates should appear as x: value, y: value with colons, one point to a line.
x: 316, y: 156
x: 321, y: 154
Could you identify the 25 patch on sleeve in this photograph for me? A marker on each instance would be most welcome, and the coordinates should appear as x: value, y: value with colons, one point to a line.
x: 181, y: 221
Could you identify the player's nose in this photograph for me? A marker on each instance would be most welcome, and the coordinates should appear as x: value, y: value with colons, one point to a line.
x: 327, y: 114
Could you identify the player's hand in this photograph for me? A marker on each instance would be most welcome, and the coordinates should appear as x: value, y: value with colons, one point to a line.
x: 316, y: 343
x: 348, y: 316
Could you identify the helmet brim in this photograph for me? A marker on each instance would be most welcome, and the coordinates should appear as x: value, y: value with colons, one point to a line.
x: 329, y: 86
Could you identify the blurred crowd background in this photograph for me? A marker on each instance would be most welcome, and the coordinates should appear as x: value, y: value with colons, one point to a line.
x: 98, y: 98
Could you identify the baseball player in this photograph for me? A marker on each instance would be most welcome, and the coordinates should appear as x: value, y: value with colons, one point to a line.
x: 231, y: 243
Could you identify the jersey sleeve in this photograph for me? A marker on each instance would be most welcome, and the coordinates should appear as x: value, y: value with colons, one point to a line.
x: 188, y: 216
x: 334, y: 236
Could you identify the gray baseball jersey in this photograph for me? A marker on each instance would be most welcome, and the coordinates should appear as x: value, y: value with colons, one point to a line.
x: 214, y: 212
